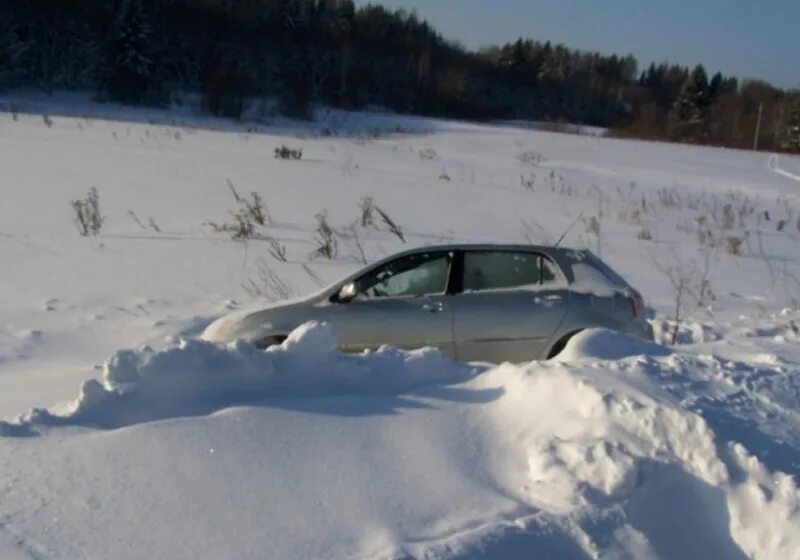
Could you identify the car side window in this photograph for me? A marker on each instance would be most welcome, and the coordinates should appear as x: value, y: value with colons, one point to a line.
x: 497, y: 270
x: 549, y: 270
x: 414, y: 275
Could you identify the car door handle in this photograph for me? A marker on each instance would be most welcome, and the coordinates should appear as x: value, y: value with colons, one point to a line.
x: 548, y: 301
x: 433, y: 307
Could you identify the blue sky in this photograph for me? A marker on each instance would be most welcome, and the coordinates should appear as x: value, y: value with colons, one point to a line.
x: 745, y: 38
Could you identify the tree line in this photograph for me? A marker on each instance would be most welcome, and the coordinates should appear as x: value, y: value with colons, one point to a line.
x: 307, y: 52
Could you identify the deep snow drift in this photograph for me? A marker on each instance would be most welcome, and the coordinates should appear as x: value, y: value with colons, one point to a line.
x: 178, y: 448
x: 577, y: 459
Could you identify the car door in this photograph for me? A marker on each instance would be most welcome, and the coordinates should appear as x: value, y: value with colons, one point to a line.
x: 403, y: 303
x: 509, y: 305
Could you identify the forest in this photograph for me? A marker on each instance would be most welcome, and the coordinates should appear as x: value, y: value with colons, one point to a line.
x: 307, y: 53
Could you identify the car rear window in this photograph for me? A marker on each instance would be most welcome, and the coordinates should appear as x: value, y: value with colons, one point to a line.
x: 498, y: 270
x: 592, y: 274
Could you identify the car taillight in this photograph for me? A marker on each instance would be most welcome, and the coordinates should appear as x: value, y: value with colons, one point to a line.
x: 637, y: 303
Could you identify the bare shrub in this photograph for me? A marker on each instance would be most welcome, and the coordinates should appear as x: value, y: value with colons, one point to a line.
x: 325, y: 238
x: 680, y: 278
x: 733, y: 245
x: 428, y: 154
x: 680, y: 282
x: 689, y: 281
x: 626, y: 196
x: 528, y: 182
x: 592, y: 225
x: 285, y: 152
x: 728, y: 217
x: 559, y: 185
x: 631, y: 213
x: 136, y: 219
x: 395, y: 229
x: 254, y: 206
x: 266, y: 284
x: 531, y: 157
x: 705, y: 295
x: 706, y: 237
x: 151, y: 223
x: 367, y: 206
x: 257, y: 210
x: 693, y: 202
x: 444, y: 177
x: 243, y: 226
x: 359, y: 246
x: 782, y: 224
x: 251, y: 213
x: 765, y: 258
x: 743, y: 206
x: 645, y: 235
x: 669, y: 198
x: 277, y: 250
x: 88, y: 219
x: 48, y: 121
x: 235, y: 194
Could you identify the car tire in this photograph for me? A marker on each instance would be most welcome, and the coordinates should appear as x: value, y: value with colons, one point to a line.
x: 559, y: 346
x: 272, y: 340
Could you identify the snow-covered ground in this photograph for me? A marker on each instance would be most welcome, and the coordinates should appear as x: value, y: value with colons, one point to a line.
x: 177, y: 448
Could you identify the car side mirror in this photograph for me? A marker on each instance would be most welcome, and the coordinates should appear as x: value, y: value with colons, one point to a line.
x: 347, y: 293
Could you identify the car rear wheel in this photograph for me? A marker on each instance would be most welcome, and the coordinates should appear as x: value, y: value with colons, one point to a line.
x: 559, y: 346
x: 272, y: 340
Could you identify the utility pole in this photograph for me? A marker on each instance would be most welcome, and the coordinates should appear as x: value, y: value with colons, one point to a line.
x: 758, y: 126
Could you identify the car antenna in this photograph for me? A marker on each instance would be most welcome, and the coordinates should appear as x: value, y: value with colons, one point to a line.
x: 569, y: 229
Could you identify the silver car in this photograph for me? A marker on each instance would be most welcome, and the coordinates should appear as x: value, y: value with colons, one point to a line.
x: 489, y: 303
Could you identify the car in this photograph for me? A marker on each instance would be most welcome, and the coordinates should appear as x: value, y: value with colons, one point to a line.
x: 486, y: 303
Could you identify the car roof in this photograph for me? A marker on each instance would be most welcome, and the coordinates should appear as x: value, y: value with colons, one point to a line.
x: 563, y: 256
x: 546, y: 249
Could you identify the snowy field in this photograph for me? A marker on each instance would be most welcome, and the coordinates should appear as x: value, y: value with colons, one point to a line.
x: 127, y: 437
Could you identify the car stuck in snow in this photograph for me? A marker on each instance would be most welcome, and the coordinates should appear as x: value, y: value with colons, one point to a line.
x: 489, y: 303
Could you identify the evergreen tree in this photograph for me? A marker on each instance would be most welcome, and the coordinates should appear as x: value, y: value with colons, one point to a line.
x: 131, y: 72
x: 793, y: 128
x: 332, y: 52
x: 689, y: 110
x: 715, y: 86
x: 11, y: 51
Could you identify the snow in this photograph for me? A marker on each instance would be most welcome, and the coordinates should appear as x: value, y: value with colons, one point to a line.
x: 122, y: 434
x: 608, y: 345
x: 392, y: 453
x: 197, y: 377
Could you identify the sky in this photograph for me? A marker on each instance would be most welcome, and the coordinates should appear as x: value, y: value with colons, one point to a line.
x: 743, y: 38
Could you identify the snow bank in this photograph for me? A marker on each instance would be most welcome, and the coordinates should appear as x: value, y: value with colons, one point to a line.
x: 604, y: 344
x: 199, y: 377
x: 592, y: 456
x: 583, y: 441
x: 689, y: 332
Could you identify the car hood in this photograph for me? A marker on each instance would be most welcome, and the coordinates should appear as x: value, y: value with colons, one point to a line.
x: 254, y: 325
